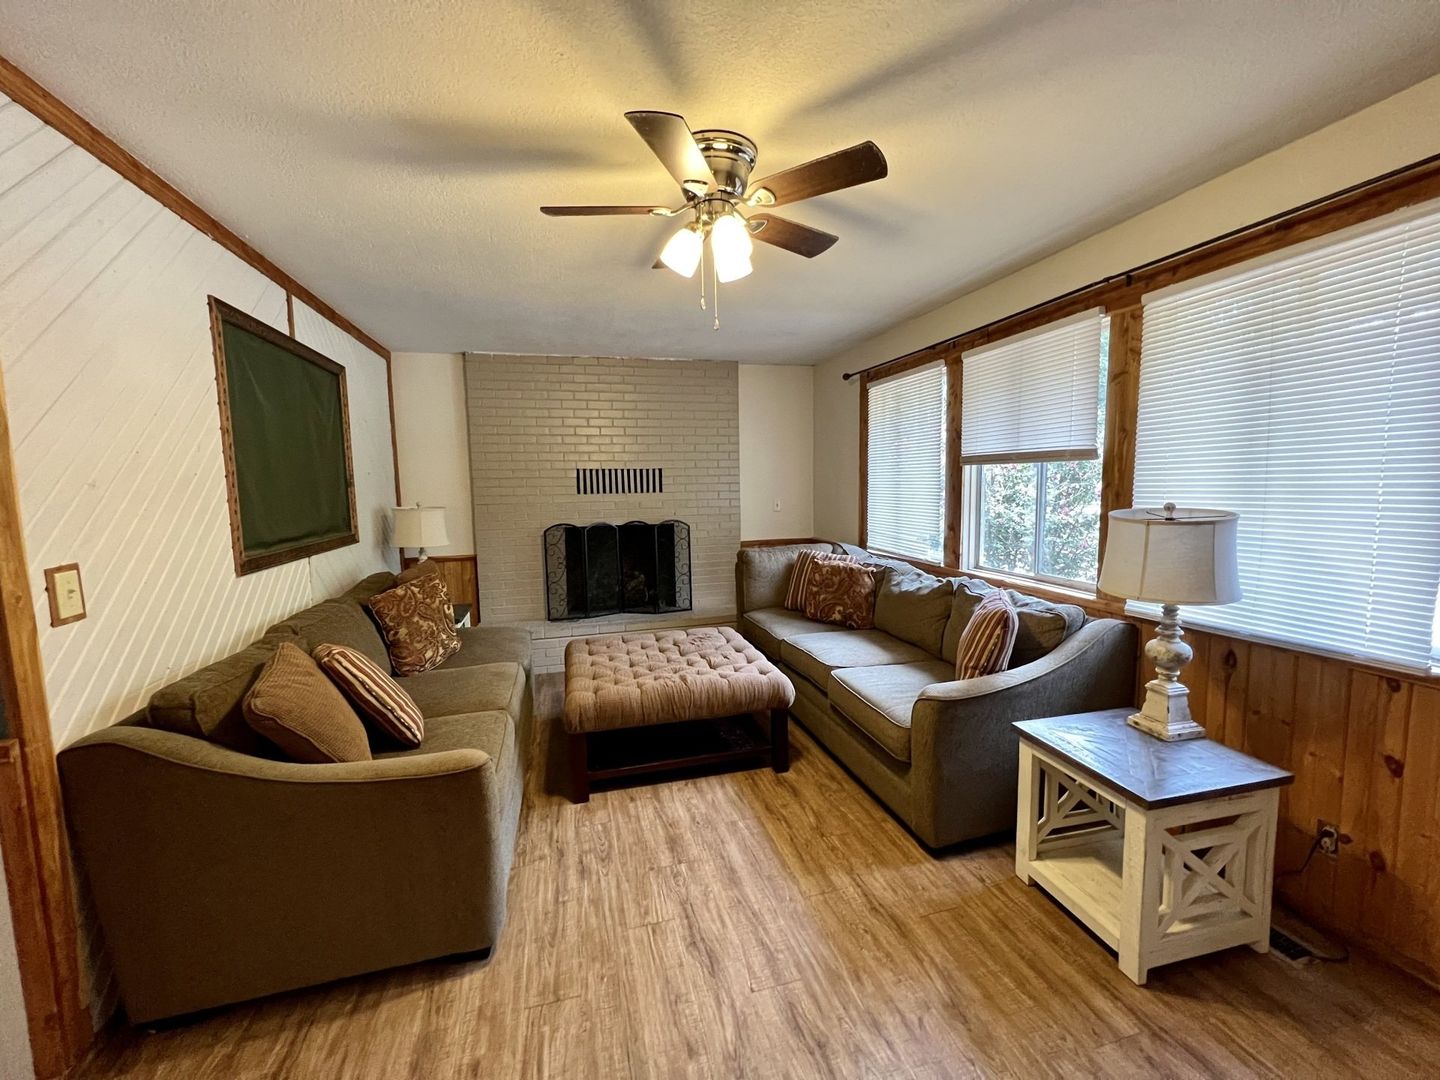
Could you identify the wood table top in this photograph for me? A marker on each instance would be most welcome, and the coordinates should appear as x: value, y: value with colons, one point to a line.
x: 1146, y: 770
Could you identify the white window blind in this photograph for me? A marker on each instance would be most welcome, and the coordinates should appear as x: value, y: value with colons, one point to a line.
x: 1303, y: 392
x: 1033, y: 397
x: 905, y: 464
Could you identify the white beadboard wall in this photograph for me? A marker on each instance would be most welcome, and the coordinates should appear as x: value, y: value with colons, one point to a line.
x: 109, y: 377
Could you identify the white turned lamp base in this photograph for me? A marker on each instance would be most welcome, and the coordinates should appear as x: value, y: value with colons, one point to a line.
x: 1166, y: 713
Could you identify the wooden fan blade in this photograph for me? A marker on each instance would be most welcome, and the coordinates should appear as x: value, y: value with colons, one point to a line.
x: 597, y: 211
x: 859, y: 164
x: 669, y: 137
x: 792, y: 236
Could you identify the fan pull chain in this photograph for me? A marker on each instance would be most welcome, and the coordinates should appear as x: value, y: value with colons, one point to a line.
x: 702, y: 276
x: 715, y: 288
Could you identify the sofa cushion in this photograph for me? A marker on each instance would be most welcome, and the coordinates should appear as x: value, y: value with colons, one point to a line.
x: 878, y: 700
x: 208, y: 703
x: 377, y: 697
x: 490, y: 645
x: 417, y: 623
x: 762, y: 574
x: 815, y: 656
x: 1043, y: 625
x: 295, y: 705
x: 477, y: 688
x: 416, y: 571
x: 492, y: 731
x: 343, y: 621
x: 915, y: 607
x: 768, y: 627
x: 367, y: 587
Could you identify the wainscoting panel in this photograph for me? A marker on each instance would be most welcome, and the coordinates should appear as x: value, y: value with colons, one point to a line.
x: 1365, y: 749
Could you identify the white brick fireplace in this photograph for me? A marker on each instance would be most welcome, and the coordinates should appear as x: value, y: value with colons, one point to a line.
x: 535, y: 420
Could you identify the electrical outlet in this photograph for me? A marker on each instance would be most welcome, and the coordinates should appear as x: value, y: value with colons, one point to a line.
x: 1328, y: 837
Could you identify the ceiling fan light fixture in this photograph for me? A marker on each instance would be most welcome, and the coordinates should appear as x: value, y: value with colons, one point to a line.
x: 682, y: 251
x: 730, y: 239
x: 728, y: 270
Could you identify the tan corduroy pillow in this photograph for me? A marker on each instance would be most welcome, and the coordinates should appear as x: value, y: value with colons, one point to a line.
x: 417, y: 623
x: 296, y: 707
x: 377, y: 697
x: 988, y: 638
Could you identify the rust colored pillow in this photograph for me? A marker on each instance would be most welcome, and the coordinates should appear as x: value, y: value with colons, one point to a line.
x: 843, y: 593
x: 988, y: 638
x: 294, y: 705
x: 417, y: 623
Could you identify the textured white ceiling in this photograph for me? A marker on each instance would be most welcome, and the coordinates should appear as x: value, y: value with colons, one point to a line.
x: 393, y: 155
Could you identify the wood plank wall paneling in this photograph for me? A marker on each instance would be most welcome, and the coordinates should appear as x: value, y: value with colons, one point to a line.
x: 1365, y: 749
x: 461, y: 574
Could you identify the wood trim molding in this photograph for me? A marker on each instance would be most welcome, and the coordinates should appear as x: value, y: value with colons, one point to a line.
x: 783, y: 541
x: 1406, y: 186
x: 954, y: 467
x: 862, y: 533
x: 1122, y: 400
x: 26, y: 92
x: 37, y: 856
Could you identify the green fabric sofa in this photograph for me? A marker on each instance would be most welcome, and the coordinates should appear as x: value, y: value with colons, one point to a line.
x: 939, y: 752
x: 221, y: 874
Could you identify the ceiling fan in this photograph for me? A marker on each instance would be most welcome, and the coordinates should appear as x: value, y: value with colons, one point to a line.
x: 713, y: 169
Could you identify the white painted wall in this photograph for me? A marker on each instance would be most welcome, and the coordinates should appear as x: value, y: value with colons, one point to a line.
x: 434, y: 449
x: 110, y: 384
x: 110, y: 387
x: 777, y: 445
x: 1397, y: 131
x: 15, y: 1061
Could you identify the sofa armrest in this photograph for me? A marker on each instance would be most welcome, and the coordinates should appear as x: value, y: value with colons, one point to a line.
x: 218, y: 876
x: 961, y: 734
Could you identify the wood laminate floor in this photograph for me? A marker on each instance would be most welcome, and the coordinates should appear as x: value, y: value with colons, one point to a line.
x: 754, y: 925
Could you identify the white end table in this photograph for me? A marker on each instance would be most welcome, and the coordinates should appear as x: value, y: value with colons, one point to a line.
x: 1164, y: 849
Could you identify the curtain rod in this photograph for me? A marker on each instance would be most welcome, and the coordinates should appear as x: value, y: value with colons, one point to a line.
x: 1128, y: 276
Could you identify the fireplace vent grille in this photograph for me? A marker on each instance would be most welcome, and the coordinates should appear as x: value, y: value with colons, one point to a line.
x: 619, y: 481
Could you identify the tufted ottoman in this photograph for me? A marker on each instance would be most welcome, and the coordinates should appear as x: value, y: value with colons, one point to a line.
x: 618, y: 682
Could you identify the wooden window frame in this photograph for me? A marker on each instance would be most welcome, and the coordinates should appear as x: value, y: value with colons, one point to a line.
x: 1120, y: 296
x: 221, y: 315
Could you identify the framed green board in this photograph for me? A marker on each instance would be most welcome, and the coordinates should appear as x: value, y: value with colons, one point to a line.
x: 285, y: 430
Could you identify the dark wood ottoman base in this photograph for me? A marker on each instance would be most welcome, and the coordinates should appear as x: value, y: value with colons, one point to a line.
x: 629, y: 753
x: 643, y: 703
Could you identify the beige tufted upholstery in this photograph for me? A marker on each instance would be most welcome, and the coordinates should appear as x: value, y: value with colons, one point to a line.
x: 634, y: 680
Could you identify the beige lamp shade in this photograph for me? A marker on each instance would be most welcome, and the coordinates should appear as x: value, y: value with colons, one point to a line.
x: 1171, y: 556
x: 419, y: 527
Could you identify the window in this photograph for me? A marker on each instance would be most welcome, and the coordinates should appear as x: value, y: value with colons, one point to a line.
x: 1302, y: 391
x: 1033, y: 495
x: 905, y: 464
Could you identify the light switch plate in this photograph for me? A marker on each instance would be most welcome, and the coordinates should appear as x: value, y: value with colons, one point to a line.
x: 67, y: 595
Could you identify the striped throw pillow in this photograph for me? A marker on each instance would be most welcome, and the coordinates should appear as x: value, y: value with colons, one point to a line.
x: 375, y: 695
x: 988, y: 638
x: 800, y: 574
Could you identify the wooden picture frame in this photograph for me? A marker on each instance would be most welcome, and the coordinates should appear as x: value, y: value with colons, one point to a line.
x: 247, y: 559
x: 52, y: 575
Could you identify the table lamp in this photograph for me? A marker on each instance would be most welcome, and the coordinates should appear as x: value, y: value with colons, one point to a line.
x: 419, y: 527
x: 1170, y: 556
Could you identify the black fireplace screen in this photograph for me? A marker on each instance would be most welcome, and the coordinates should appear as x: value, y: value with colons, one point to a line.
x: 605, y: 569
